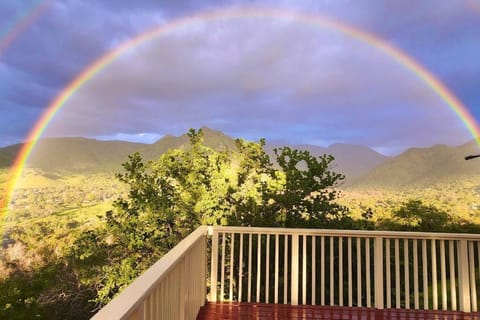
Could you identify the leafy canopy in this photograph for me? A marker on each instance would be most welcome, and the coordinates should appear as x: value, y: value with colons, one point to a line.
x: 170, y: 197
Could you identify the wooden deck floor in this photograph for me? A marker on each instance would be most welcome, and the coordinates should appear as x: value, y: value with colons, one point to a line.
x: 216, y: 311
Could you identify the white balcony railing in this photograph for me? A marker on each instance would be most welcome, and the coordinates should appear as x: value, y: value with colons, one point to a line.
x: 173, y: 288
x: 407, y: 270
x: 430, y: 271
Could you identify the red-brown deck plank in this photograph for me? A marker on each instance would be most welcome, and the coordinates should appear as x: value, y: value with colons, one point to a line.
x: 214, y: 311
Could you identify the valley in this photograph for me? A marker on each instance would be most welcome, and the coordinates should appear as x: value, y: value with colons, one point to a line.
x: 61, y: 202
x: 79, y: 181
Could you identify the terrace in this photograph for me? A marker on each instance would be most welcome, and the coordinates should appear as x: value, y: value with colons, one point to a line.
x: 266, y: 273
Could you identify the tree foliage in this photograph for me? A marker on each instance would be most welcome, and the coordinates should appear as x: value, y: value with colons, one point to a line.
x: 164, y: 200
x: 414, y: 215
x: 185, y: 188
x: 307, y: 198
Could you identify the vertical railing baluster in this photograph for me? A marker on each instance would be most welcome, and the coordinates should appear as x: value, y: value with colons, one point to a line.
x: 189, y: 282
x: 249, y: 283
x: 147, y: 307
x: 183, y: 279
x: 181, y: 293
x: 473, y: 289
x: 169, y: 303
x: 443, y: 275
x: 367, y: 270
x: 388, y: 271
x: 314, y: 269
x: 359, y: 272
x: 154, y: 303
x: 240, y: 269
x: 155, y: 308
x: 203, y: 274
x: 259, y: 265
x: 194, y: 293
x: 478, y: 255
x: 295, y: 262
x: 406, y: 263
x: 159, y: 299
x: 304, y: 270
x: 322, y: 270
x: 453, y: 286
x: 222, y: 270
x: 164, y: 297
x: 350, y: 286
x: 434, y: 275
x: 267, y: 270
x: 285, y: 271
x: 463, y: 276
x: 232, y: 253
x: 340, y: 271
x: 425, y: 274
x: 276, y: 269
x: 332, y: 302
x: 378, y: 270
x: 191, y: 292
x: 194, y: 287
x: 214, y: 267
x: 416, y: 297
x: 397, y: 274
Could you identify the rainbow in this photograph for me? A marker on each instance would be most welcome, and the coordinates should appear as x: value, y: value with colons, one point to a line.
x: 227, y: 14
x: 27, y: 20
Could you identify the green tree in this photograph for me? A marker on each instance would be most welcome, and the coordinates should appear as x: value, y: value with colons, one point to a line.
x: 254, y: 181
x: 308, y: 196
x: 414, y: 215
x: 185, y: 188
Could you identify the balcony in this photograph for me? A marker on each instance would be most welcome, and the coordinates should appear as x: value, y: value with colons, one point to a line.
x: 265, y: 273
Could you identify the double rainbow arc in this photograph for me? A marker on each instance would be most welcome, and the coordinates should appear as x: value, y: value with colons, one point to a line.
x: 229, y: 14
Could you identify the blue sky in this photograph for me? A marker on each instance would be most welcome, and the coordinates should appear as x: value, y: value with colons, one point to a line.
x: 251, y: 78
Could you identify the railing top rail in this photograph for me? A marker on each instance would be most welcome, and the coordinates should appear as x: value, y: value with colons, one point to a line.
x: 346, y: 233
x: 133, y: 295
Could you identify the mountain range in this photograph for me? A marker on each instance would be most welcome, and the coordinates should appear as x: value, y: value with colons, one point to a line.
x: 363, y: 166
x: 423, y: 167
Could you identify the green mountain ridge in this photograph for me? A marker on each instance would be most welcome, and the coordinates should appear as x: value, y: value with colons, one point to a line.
x: 84, y: 155
x: 7, y: 155
x: 351, y: 160
x: 419, y: 167
x: 363, y: 167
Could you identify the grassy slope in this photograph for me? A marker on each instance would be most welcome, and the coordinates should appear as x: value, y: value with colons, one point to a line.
x: 80, y: 197
x: 460, y: 198
x: 422, y: 167
x: 83, y: 196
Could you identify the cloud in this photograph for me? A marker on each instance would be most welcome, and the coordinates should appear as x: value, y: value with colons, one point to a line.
x: 143, y: 137
x: 271, y: 78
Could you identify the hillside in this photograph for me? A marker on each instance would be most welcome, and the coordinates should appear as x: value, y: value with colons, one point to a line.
x: 7, y: 155
x: 212, y: 138
x: 350, y: 160
x: 418, y: 167
x: 82, y: 155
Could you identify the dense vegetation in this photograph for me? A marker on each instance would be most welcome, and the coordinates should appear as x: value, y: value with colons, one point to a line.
x: 68, y: 262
